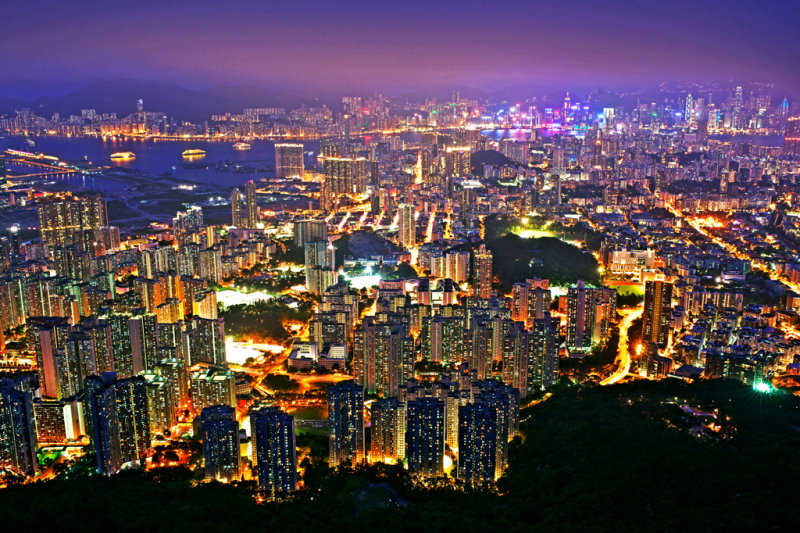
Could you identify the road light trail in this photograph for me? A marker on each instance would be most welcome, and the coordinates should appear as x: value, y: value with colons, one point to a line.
x: 623, y: 353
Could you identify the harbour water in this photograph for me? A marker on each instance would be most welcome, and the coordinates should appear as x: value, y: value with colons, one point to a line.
x: 222, y: 166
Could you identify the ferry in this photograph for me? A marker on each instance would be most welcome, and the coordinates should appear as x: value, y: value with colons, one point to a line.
x: 194, y: 152
x: 122, y: 155
x: 242, y: 146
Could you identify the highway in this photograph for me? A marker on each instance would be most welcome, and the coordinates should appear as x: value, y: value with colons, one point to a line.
x: 623, y: 355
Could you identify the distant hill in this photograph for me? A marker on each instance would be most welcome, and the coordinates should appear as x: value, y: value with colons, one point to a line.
x: 120, y: 96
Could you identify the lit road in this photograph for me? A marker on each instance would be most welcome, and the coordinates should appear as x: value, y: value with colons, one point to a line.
x: 629, y: 315
x: 733, y: 250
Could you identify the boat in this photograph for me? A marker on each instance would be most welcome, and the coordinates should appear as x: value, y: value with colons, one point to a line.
x: 242, y: 146
x: 122, y: 155
x: 30, y: 142
x: 194, y: 152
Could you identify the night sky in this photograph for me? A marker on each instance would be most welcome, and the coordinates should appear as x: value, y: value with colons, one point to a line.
x: 51, y: 46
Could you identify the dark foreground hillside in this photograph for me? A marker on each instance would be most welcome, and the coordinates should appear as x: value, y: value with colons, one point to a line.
x: 640, y: 457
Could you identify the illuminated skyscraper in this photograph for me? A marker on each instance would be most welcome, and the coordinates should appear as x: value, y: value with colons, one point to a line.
x: 477, y: 443
x: 425, y: 428
x: 275, y: 452
x: 407, y: 226
x: 3, y: 180
x: 543, y: 368
x: 345, y: 423
x: 17, y: 427
x: 100, y: 409
x: 657, y: 312
x: 590, y: 312
x: 133, y: 418
x: 236, y: 207
x: 62, y: 220
x: 289, y: 160
x: 688, y: 111
x: 346, y: 175
x: 319, y: 254
x: 791, y: 137
x: 220, y: 433
x: 482, y: 273
x: 251, y: 203
x: 305, y: 231
x: 387, y: 430
x: 212, y: 386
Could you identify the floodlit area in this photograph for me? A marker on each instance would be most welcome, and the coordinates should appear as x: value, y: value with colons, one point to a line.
x: 238, y: 352
x: 229, y: 297
x: 533, y: 233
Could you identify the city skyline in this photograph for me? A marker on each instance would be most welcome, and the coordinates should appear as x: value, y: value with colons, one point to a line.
x: 365, y: 266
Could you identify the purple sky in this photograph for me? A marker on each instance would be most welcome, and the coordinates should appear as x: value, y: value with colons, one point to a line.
x: 48, y: 46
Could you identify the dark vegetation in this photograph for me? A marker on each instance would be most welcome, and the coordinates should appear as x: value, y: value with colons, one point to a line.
x: 516, y: 259
x: 263, y: 320
x: 599, y: 362
x: 498, y: 226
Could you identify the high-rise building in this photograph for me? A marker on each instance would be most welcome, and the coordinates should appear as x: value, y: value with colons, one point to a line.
x: 387, y: 430
x: 62, y: 221
x: 274, y: 449
x: 345, y: 423
x: 220, y: 433
x: 425, y: 429
x: 236, y: 207
x: 477, y: 442
x: 289, y: 160
x: 530, y: 300
x: 100, y: 410
x: 383, y: 356
x: 306, y: 231
x: 17, y: 426
x: 407, y: 226
x: 505, y: 400
x: 251, y: 203
x: 482, y: 273
x: 590, y: 312
x: 212, y: 386
x: 543, y: 368
x: 791, y: 137
x: 457, y: 265
x: 133, y: 418
x: 3, y: 178
x: 657, y: 312
x: 320, y: 263
x: 346, y: 175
